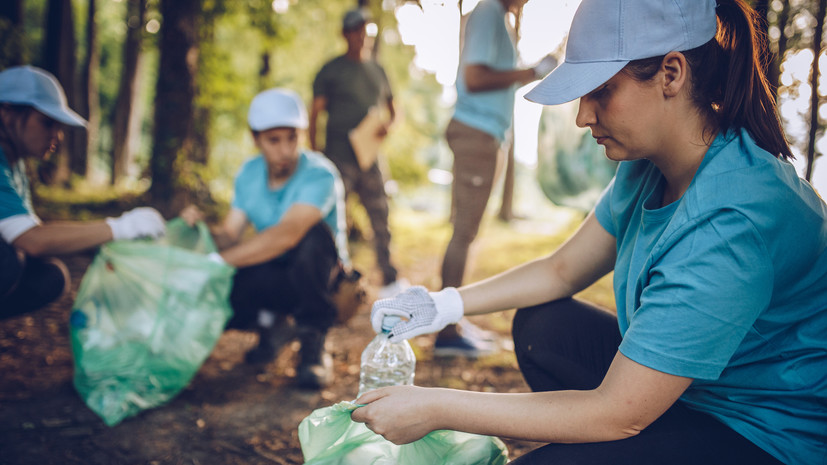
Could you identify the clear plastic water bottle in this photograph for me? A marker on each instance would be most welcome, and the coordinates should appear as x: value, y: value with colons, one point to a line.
x: 386, y: 363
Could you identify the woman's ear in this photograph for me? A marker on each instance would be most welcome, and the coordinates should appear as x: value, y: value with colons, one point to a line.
x: 675, y: 71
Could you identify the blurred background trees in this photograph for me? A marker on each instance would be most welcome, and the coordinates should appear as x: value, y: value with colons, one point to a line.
x: 165, y: 84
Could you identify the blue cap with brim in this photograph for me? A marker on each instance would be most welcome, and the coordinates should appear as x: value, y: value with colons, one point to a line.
x: 606, y: 35
x: 39, y: 89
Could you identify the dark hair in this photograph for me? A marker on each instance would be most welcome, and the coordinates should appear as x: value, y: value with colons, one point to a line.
x: 728, y: 80
x: 8, y: 139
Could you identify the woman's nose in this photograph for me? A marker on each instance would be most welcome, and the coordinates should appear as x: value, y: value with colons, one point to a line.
x: 585, y: 114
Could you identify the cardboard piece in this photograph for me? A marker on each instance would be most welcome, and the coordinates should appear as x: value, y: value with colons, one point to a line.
x: 367, y: 137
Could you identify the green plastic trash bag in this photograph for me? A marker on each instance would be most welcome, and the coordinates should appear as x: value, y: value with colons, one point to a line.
x: 329, y: 437
x: 147, y: 315
x: 572, y: 168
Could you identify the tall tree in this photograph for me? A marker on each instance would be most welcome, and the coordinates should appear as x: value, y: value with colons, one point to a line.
x: 88, y: 101
x: 781, y: 22
x: 815, y: 99
x: 11, y: 33
x: 125, y: 114
x: 59, y: 58
x: 173, y: 134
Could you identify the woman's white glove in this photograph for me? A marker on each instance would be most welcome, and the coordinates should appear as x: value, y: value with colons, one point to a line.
x: 138, y: 222
x: 424, y: 312
x: 545, y: 66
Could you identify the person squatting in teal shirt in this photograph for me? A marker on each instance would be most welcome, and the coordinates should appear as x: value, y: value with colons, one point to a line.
x: 718, y: 351
x: 286, y: 271
x: 33, y: 114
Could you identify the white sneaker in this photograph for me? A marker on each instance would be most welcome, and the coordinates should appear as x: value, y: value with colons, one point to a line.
x: 391, y: 290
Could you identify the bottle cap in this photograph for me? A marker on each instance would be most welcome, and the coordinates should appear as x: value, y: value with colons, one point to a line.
x: 389, y: 322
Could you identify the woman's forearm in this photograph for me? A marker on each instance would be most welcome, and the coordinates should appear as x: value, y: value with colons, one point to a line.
x: 61, y: 237
x: 529, y: 284
x: 588, y: 255
x: 559, y: 416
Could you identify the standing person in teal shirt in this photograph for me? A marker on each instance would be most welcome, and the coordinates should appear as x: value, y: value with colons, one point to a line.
x: 487, y: 79
x: 294, y: 200
x: 717, y: 353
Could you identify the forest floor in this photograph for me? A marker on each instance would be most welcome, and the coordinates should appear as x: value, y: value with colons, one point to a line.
x: 231, y: 412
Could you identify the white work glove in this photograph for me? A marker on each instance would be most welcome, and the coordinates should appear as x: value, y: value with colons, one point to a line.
x: 425, y: 312
x: 138, y: 222
x: 216, y: 257
x: 545, y: 66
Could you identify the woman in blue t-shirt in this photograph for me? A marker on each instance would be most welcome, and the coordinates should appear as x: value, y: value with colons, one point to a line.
x: 33, y: 112
x: 718, y: 350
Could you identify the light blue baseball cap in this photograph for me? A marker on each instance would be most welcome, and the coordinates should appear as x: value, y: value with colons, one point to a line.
x: 277, y: 108
x: 37, y: 88
x: 606, y: 35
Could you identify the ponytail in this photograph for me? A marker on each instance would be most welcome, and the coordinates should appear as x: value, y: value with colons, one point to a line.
x: 746, y: 100
x: 729, y: 85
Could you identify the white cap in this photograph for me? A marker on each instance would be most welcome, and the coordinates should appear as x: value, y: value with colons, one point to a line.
x: 606, y: 35
x: 37, y: 88
x: 277, y: 108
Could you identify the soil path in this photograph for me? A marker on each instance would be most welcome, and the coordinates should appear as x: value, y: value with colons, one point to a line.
x: 230, y: 413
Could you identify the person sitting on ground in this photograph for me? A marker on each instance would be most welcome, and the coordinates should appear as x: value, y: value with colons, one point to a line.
x: 294, y: 199
x: 718, y: 349
x: 33, y: 111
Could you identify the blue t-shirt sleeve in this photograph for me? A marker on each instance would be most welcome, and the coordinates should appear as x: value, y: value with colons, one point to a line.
x: 704, y: 295
x: 603, y: 209
x: 319, y: 190
x: 479, y: 46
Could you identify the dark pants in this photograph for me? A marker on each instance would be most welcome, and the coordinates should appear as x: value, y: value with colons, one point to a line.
x: 296, y: 283
x: 28, y: 283
x: 370, y: 187
x: 569, y: 344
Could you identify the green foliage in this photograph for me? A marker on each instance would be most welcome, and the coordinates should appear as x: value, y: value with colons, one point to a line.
x: 295, y: 45
x: 86, y: 201
x: 11, y: 40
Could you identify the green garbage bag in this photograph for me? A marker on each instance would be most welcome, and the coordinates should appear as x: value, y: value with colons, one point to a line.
x: 147, y: 315
x: 329, y: 437
x: 572, y: 169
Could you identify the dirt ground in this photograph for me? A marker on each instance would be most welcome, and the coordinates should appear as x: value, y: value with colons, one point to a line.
x: 230, y: 413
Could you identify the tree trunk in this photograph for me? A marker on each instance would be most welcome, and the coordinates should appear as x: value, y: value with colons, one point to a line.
x: 762, y: 8
x: 774, y: 71
x: 815, y: 74
x: 122, y: 149
x: 88, y: 101
x: 11, y: 33
x: 203, y: 113
x: 59, y: 59
x: 174, y: 101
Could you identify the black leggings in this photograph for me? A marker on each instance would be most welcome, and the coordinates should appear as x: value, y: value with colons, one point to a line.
x: 296, y: 282
x: 568, y: 344
x: 28, y: 283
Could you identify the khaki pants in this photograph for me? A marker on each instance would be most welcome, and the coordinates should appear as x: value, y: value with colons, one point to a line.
x: 477, y: 162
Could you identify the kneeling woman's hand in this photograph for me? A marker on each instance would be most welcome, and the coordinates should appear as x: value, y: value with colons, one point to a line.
x: 401, y: 414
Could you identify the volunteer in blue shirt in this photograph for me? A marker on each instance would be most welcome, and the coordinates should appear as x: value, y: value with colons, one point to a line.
x: 33, y: 112
x: 718, y: 350
x: 477, y: 134
x: 294, y: 200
